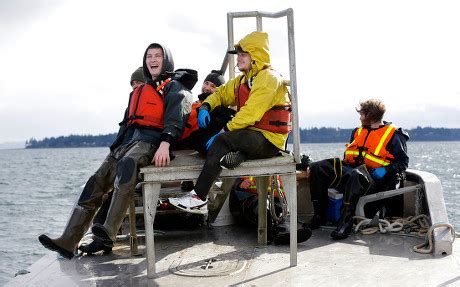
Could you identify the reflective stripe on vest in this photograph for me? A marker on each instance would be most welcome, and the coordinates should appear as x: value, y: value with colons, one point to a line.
x: 369, y: 147
x: 278, y: 119
x: 146, y: 106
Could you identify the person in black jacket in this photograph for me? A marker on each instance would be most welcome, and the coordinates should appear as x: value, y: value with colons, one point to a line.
x: 153, y: 121
x: 374, y: 160
x: 137, y: 79
x: 198, y: 137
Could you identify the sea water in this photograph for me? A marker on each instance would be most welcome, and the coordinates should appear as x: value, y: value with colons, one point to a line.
x: 38, y: 188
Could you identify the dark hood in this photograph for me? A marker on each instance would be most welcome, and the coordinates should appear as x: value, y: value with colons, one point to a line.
x: 168, y: 64
x: 186, y: 77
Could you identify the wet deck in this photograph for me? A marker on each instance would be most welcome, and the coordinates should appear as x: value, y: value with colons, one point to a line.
x: 182, y: 256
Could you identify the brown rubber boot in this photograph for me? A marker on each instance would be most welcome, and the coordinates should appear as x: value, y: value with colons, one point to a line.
x: 76, y: 227
x: 117, y: 212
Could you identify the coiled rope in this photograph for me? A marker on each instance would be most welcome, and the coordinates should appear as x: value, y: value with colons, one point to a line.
x: 427, y: 246
x: 413, y: 224
x: 418, y: 225
x: 275, y: 187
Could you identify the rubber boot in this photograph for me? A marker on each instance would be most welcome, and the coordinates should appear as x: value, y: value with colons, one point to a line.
x: 345, y: 225
x: 76, y: 227
x: 319, y: 217
x: 96, y: 246
x: 282, y: 234
x: 117, y: 212
x: 358, y: 184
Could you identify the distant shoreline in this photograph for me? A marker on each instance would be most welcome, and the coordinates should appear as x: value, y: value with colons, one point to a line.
x: 308, y: 135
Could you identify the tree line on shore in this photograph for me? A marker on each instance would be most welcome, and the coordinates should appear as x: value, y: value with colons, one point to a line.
x: 307, y: 135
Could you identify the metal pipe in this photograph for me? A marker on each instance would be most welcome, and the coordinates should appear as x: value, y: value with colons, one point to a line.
x: 223, y: 68
x: 231, y: 59
x: 289, y: 13
x: 293, y: 79
x: 259, y: 14
x: 259, y: 23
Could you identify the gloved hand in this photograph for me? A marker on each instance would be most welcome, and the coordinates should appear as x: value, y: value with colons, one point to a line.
x: 203, y: 118
x: 378, y: 173
x: 211, y: 140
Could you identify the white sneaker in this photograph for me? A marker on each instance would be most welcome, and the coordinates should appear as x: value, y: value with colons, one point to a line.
x: 190, y: 203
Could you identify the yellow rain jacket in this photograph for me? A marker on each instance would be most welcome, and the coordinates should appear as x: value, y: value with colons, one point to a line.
x: 268, y: 90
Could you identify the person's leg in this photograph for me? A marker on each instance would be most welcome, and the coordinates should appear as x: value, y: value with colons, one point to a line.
x: 101, y: 214
x: 252, y: 143
x: 84, y: 209
x: 324, y: 174
x: 356, y: 183
x: 137, y: 156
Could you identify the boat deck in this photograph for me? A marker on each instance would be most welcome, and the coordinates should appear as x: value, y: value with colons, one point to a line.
x: 228, y: 255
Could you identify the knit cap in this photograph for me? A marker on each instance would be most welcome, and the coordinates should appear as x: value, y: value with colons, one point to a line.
x: 138, y: 75
x: 216, y: 78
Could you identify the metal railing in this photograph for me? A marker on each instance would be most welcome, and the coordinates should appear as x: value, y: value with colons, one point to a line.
x: 229, y: 61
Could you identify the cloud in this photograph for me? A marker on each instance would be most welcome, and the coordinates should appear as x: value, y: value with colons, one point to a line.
x: 66, y: 64
x: 18, y: 16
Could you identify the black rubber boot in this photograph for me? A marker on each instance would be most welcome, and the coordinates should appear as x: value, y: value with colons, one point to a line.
x: 344, y: 227
x: 316, y: 222
x: 357, y: 185
x: 345, y: 224
x: 96, y: 246
x: 187, y: 185
x: 282, y: 234
x: 320, y: 215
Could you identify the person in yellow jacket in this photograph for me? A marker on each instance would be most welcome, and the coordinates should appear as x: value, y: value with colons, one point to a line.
x: 258, y: 130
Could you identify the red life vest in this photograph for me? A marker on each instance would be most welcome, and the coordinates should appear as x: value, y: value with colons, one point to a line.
x: 370, y: 147
x: 278, y: 119
x: 192, y: 121
x: 146, y: 106
x: 253, y: 188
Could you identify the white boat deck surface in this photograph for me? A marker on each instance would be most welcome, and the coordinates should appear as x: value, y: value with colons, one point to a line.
x: 182, y: 256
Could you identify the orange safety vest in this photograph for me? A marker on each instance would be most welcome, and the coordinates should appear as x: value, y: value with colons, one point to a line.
x: 192, y: 121
x: 146, y: 106
x: 253, y: 188
x: 370, y: 147
x: 278, y: 119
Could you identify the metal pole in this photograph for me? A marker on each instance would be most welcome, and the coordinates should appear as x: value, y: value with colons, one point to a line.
x: 231, y: 59
x: 293, y: 75
x: 259, y: 23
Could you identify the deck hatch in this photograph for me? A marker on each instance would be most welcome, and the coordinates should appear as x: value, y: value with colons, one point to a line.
x: 221, y: 265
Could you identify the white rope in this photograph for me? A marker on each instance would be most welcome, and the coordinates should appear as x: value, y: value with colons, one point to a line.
x: 419, y: 224
x: 384, y: 226
x: 427, y: 246
x: 275, y: 187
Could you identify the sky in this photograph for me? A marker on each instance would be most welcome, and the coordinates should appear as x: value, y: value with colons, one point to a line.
x: 65, y: 65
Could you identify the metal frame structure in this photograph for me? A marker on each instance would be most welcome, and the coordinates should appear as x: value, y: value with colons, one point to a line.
x: 229, y: 61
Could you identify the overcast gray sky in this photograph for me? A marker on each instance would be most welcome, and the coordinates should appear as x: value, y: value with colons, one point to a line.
x: 65, y: 65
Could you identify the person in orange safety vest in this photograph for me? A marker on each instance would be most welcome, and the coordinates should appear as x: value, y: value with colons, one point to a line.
x: 374, y: 160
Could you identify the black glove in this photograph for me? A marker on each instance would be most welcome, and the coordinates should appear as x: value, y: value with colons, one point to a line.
x: 305, y: 162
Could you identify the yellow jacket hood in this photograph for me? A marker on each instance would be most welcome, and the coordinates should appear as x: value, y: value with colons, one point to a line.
x: 256, y: 45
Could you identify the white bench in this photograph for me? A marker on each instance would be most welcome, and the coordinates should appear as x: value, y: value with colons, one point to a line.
x: 188, y: 166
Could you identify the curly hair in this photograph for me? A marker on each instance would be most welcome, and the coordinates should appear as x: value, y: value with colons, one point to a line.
x: 372, y: 109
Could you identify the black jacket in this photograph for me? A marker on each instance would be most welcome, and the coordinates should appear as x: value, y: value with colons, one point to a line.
x: 177, y: 104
